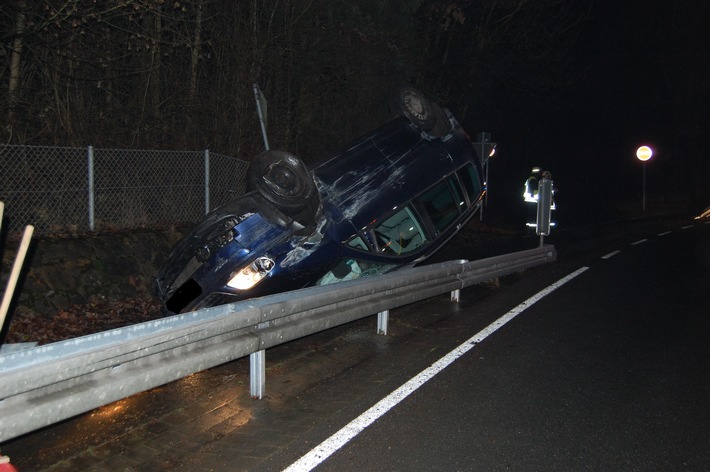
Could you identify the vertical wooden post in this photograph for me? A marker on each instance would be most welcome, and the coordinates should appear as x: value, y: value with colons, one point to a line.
x: 15, y: 274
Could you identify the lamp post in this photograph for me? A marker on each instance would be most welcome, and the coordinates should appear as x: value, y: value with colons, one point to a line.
x: 643, y: 154
x: 486, y: 150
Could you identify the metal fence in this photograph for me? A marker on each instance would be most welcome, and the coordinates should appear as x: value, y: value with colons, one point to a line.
x: 61, y: 190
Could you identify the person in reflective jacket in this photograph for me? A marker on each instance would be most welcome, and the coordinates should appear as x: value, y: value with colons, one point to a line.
x: 530, y: 195
x: 531, y: 185
x: 530, y: 198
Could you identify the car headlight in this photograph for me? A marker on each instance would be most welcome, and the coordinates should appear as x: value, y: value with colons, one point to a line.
x: 252, y: 274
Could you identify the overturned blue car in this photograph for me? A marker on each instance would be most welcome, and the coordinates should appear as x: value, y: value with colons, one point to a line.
x: 388, y: 200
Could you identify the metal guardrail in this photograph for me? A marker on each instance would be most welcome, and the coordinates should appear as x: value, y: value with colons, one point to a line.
x: 47, y: 384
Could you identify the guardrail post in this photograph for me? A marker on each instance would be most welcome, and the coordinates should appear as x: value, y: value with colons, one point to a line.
x: 456, y: 295
x: 257, y: 373
x: 382, y: 319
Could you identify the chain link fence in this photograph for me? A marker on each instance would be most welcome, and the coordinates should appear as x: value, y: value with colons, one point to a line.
x: 69, y: 191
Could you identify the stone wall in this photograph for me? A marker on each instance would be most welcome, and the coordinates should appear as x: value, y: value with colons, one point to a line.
x: 59, y: 273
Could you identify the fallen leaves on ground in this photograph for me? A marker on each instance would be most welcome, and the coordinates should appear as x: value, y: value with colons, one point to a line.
x: 80, y: 320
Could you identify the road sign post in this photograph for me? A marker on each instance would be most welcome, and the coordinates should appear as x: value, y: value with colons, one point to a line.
x: 544, y: 209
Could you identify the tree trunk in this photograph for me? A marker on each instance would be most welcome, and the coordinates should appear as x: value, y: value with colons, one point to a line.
x: 196, y: 47
x: 156, y: 64
x: 15, y: 62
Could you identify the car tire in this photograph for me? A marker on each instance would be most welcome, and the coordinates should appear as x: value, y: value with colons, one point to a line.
x: 426, y: 115
x: 283, y: 180
x: 416, y: 107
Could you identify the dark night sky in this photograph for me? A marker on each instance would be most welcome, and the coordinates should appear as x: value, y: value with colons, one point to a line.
x: 642, y: 67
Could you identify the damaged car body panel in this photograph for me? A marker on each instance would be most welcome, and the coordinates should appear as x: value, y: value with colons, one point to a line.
x: 389, y: 200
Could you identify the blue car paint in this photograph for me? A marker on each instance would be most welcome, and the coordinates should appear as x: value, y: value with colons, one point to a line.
x: 375, y: 174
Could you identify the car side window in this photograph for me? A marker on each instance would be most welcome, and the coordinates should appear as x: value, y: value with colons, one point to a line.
x: 458, y: 196
x: 468, y: 176
x: 349, y: 269
x: 357, y: 242
x: 440, y: 204
x: 399, y: 234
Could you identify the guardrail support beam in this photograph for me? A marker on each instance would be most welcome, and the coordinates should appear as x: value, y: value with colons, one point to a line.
x: 382, y: 319
x: 257, y: 374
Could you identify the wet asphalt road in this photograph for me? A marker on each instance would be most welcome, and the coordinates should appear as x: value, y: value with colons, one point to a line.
x: 608, y: 372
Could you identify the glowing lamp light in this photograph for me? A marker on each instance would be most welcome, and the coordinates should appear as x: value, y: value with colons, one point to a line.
x: 644, y: 153
x: 252, y: 274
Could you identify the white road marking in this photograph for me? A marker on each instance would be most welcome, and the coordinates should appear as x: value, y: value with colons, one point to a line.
x: 328, y: 447
x: 611, y: 254
x: 688, y: 227
x: 664, y: 234
x: 640, y: 241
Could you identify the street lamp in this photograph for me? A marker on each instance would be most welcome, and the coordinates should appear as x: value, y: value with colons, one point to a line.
x: 643, y: 154
x: 486, y: 149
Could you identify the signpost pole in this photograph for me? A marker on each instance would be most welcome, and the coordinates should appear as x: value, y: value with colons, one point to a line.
x: 643, y: 154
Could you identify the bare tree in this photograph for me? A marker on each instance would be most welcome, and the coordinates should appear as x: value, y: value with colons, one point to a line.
x: 15, y: 62
x: 196, y: 47
x: 476, y: 47
x: 179, y: 73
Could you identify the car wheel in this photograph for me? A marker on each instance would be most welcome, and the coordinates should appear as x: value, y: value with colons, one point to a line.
x: 283, y: 179
x: 411, y: 103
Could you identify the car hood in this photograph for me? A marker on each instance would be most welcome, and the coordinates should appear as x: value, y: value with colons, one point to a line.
x: 214, y: 239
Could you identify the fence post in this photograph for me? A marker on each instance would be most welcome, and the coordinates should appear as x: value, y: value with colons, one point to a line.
x: 90, y: 157
x: 207, y: 181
